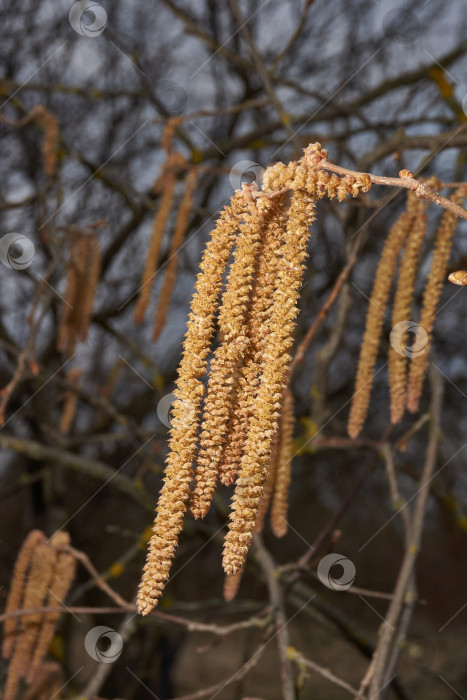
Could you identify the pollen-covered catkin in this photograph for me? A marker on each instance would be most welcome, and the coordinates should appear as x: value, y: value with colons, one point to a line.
x: 397, y: 359
x: 280, y: 499
x: 263, y: 423
x: 374, y: 323
x: 247, y: 384
x: 233, y: 324
x: 184, y: 434
x: 431, y: 295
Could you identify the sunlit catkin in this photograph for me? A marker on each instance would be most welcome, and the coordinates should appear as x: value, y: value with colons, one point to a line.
x: 280, y: 499
x: 263, y: 424
x: 402, y: 300
x: 268, y: 485
x: 175, y: 491
x: 177, y: 239
x: 233, y: 325
x: 374, y: 323
x: 432, y: 293
x: 246, y: 387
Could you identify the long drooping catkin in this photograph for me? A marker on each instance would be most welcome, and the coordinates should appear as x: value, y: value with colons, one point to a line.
x: 432, y: 293
x: 233, y: 324
x: 157, y: 235
x: 35, y: 592
x: 283, y: 467
x: 62, y: 577
x: 82, y: 278
x: 402, y: 300
x: 231, y: 585
x: 374, y: 323
x: 91, y: 278
x: 263, y: 424
x: 175, y: 491
x: 17, y: 586
x: 257, y: 329
x: 177, y: 240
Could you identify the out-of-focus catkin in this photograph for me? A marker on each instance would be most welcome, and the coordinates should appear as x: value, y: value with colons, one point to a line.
x: 168, y: 183
x: 402, y: 300
x: 190, y: 388
x: 374, y: 323
x: 432, y: 293
x: 280, y: 499
x: 231, y: 585
x: 181, y: 226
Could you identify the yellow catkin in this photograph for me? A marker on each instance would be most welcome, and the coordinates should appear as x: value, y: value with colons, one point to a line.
x: 175, y: 491
x: 152, y: 258
x: 71, y: 401
x: 177, y: 240
x: 431, y: 295
x: 18, y: 581
x: 34, y: 594
x: 62, y: 577
x: 283, y: 467
x: 397, y: 359
x: 231, y: 585
x: 257, y: 328
x: 263, y: 424
x: 374, y: 323
x: 232, y: 322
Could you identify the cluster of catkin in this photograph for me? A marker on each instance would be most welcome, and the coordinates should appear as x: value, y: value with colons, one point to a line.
x: 407, y: 363
x: 43, y: 574
x: 228, y: 403
x: 81, y: 284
